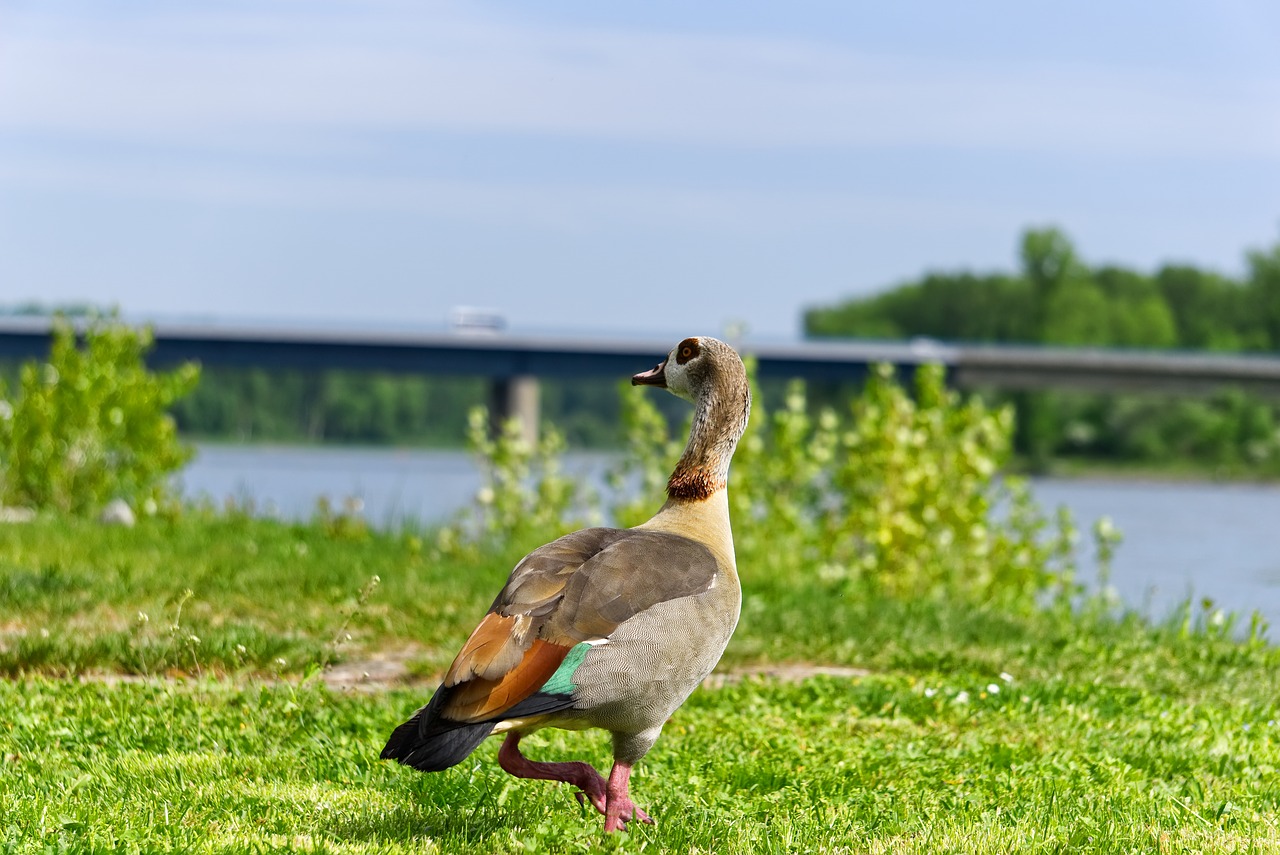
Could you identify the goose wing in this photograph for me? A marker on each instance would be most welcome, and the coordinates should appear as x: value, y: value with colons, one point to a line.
x: 576, y: 590
x: 560, y: 599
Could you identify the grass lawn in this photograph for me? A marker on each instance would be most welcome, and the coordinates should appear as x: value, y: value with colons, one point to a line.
x: 973, y: 730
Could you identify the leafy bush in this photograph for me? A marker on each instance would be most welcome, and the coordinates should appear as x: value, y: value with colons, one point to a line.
x: 523, y: 497
x: 900, y: 496
x: 91, y: 423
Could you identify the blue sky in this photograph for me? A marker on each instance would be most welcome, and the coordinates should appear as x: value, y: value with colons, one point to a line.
x: 635, y: 168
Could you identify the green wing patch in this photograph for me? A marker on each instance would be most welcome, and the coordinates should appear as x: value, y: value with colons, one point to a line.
x: 561, y: 682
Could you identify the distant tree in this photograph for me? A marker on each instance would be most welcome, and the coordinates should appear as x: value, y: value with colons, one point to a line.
x: 862, y: 319
x: 1208, y: 310
x: 34, y: 308
x: 947, y: 306
x: 1057, y: 299
x: 1264, y: 288
x: 1076, y: 312
x: 1139, y: 313
x: 1050, y: 267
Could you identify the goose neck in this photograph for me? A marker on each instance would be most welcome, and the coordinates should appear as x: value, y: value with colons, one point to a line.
x: 719, y: 420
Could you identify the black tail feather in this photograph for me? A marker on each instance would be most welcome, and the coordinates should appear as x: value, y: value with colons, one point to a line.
x: 431, y: 743
x: 437, y: 748
x: 539, y: 703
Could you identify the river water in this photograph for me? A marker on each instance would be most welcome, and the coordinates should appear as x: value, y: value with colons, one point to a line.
x: 1181, y: 539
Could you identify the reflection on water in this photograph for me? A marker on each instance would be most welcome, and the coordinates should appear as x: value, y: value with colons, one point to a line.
x: 1180, y: 539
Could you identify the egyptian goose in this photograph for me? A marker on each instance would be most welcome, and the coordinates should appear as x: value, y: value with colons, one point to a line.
x: 605, y: 627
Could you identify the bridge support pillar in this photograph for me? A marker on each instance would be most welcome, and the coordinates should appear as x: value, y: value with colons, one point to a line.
x: 516, y: 397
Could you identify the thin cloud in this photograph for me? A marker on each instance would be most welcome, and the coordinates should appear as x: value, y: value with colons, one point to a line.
x: 230, y: 78
x: 566, y: 207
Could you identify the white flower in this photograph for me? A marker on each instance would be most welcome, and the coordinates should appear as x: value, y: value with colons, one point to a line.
x: 962, y: 697
x: 993, y: 689
x: 929, y: 693
x: 1006, y: 676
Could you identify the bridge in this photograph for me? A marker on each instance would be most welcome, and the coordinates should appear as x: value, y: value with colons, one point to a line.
x: 516, y: 362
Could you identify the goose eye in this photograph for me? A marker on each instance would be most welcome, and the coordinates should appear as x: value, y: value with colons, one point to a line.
x: 687, y: 349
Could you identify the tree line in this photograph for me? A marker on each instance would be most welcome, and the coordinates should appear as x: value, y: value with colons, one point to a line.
x: 255, y: 405
x: 1056, y: 298
x: 352, y: 407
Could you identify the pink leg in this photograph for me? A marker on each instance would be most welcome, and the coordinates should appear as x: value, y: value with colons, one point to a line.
x: 581, y: 775
x: 619, y: 809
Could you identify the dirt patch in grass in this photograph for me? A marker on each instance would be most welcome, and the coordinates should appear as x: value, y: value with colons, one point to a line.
x: 391, y: 668
x: 381, y: 670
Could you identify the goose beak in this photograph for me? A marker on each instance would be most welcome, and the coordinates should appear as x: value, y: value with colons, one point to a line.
x: 656, y: 376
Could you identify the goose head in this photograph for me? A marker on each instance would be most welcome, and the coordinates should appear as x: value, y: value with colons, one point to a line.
x: 709, y: 373
x: 695, y: 368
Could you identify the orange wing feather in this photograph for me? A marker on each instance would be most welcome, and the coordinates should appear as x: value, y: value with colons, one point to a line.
x: 479, y: 699
x: 495, y: 647
x: 498, y: 667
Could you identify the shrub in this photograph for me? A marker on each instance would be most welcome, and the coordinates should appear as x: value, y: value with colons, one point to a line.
x: 523, y: 497
x: 91, y: 423
x: 901, y: 496
x: 920, y: 506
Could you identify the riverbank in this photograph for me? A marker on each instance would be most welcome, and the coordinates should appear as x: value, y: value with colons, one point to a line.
x: 1181, y: 470
x: 1172, y: 472
x: 1181, y: 539
x: 964, y: 728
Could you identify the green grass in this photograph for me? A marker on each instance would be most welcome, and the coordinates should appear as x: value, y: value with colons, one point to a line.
x: 76, y: 596
x: 1102, y: 734
x: 865, y: 764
